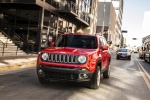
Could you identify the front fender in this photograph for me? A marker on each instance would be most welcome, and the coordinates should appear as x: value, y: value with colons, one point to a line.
x: 93, y: 61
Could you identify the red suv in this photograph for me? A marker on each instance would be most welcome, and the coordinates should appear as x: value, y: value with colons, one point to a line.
x: 75, y: 57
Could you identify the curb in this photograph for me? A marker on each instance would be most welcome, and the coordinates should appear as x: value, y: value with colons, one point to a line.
x: 17, y: 66
x: 148, y: 76
x: 144, y: 73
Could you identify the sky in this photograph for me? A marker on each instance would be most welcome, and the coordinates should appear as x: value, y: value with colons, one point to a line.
x: 133, y: 16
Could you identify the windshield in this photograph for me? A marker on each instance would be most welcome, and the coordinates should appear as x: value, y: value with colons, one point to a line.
x: 122, y: 50
x: 77, y: 41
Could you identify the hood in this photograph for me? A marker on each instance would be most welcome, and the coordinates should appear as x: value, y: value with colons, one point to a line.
x: 69, y: 50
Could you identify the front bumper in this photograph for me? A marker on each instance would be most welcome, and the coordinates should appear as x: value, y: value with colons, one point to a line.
x: 123, y: 56
x: 61, y: 73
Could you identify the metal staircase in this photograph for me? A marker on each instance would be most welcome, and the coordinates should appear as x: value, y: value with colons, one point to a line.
x: 8, y: 48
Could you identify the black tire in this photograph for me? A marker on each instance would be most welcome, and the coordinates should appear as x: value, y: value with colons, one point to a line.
x: 106, y: 73
x: 129, y: 58
x: 95, y: 80
x: 43, y: 80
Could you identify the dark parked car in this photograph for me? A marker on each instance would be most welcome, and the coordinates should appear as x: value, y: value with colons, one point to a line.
x: 123, y: 53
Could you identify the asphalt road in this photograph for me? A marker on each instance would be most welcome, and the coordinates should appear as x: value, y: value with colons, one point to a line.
x: 126, y: 83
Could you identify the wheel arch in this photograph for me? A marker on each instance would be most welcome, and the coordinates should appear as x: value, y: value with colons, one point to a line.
x: 99, y: 63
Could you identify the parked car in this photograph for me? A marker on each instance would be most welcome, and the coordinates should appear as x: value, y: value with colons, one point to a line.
x: 123, y: 53
x: 74, y: 57
x: 146, y: 48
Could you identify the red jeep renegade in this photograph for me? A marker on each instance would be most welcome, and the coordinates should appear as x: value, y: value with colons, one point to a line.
x: 75, y: 57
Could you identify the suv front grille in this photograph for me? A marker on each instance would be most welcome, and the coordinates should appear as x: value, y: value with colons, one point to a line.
x: 62, y: 58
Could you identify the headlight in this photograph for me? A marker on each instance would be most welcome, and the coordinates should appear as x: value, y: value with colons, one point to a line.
x: 128, y: 53
x: 44, y: 56
x: 82, y: 59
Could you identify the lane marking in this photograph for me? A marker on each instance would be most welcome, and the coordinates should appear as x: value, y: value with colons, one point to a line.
x: 144, y: 73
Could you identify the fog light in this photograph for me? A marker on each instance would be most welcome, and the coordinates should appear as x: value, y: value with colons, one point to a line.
x: 40, y: 72
x: 81, y: 75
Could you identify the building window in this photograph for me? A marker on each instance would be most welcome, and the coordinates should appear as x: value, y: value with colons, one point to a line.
x: 46, y: 18
x: 53, y: 21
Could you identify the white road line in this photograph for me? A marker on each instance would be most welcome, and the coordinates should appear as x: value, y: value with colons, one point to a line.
x: 144, y: 73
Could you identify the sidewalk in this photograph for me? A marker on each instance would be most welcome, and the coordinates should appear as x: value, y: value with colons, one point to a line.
x: 16, y: 62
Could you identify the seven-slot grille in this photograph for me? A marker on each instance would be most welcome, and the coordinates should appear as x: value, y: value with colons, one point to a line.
x: 62, y: 58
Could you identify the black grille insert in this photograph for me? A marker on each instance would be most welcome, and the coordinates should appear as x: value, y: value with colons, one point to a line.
x: 63, y: 58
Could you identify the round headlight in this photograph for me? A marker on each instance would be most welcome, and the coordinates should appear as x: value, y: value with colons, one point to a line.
x: 44, y: 56
x: 82, y: 59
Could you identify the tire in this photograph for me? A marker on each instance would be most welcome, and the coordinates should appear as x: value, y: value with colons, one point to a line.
x: 117, y: 57
x: 43, y: 80
x: 106, y: 73
x: 95, y: 80
x: 129, y: 58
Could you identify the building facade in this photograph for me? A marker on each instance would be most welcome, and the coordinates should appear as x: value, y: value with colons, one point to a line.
x: 118, y: 5
x: 39, y: 22
x: 108, y: 12
x: 106, y: 20
x: 146, y: 24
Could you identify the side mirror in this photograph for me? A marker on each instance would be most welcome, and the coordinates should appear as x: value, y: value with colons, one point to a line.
x: 104, y: 47
x: 52, y: 44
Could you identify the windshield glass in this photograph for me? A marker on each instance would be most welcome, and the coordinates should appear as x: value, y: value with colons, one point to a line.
x: 123, y: 50
x: 77, y: 41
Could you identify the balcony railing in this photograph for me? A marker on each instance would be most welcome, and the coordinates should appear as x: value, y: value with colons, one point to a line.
x: 71, y: 6
x: 53, y: 3
x: 84, y: 17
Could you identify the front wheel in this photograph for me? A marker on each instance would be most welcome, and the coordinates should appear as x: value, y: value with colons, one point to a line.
x: 43, y: 80
x: 129, y: 58
x: 95, y: 80
x: 117, y: 57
